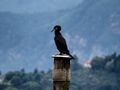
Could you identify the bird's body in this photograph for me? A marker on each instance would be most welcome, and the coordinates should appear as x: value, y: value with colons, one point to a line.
x: 61, y: 42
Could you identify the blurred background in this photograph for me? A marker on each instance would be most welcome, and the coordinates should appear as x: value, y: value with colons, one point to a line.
x: 90, y: 27
x: 92, y: 32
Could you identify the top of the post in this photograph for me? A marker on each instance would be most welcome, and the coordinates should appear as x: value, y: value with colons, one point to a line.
x: 65, y: 56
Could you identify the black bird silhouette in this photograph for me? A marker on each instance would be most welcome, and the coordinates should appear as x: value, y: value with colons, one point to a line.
x: 60, y: 41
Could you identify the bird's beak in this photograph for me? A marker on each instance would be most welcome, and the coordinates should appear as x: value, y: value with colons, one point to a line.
x: 53, y: 30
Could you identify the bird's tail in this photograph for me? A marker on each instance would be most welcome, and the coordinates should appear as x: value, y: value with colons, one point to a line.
x: 72, y: 57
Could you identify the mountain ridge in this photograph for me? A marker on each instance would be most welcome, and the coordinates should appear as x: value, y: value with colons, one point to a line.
x: 90, y: 29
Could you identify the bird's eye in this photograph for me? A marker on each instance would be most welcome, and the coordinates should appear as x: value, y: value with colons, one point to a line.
x: 56, y: 28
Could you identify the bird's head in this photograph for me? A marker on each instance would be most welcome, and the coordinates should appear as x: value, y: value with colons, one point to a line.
x: 56, y: 28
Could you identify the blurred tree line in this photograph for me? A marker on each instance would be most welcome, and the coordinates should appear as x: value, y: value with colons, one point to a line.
x: 103, y: 75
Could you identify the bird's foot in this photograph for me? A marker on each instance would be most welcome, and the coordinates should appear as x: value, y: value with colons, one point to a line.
x: 61, y: 53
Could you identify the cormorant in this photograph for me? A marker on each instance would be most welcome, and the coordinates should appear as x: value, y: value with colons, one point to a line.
x: 60, y: 41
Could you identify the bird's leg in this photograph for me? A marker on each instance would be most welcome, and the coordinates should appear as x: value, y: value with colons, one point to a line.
x: 60, y: 53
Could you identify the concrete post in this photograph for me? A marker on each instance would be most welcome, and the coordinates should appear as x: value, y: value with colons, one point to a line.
x: 61, y: 72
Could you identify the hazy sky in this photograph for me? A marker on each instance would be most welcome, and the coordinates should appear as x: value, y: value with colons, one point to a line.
x: 36, y: 5
x: 91, y: 29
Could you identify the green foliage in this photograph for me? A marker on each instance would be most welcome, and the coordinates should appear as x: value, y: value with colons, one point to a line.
x: 117, y: 64
x: 19, y: 80
x: 9, y: 76
x: 22, y: 70
x: 0, y: 73
x: 31, y: 85
x: 11, y: 88
x: 104, y: 75
x: 16, y: 81
x: 110, y: 63
x: 2, y: 86
x: 35, y: 71
x: 98, y: 63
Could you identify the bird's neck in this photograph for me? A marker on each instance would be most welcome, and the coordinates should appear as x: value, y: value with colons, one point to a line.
x: 57, y: 34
